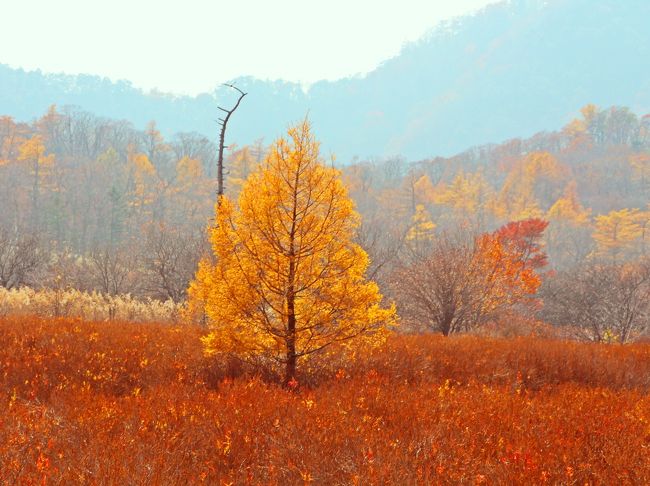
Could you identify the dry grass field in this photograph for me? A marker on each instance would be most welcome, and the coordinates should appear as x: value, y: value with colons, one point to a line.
x: 127, y: 403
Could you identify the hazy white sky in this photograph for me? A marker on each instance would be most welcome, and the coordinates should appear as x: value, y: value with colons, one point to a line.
x: 189, y: 46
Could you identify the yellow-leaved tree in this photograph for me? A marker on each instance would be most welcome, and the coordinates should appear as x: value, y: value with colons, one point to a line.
x: 33, y: 152
x: 287, y: 279
x: 422, y: 228
x: 616, y: 233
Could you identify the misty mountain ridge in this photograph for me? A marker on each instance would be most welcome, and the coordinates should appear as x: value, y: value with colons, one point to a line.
x: 511, y: 69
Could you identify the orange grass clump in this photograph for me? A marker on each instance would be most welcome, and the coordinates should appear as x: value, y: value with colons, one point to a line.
x: 125, y: 403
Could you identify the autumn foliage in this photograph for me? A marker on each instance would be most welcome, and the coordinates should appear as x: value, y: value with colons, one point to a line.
x: 126, y: 403
x: 288, y: 281
x: 449, y: 284
x: 290, y: 295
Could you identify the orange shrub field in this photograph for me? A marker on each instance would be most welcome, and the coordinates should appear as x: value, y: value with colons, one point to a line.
x: 127, y: 403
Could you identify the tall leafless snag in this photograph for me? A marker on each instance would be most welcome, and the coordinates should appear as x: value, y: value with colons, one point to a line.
x: 223, y: 122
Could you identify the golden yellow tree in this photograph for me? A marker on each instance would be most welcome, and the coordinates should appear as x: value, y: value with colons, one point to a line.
x: 424, y: 189
x: 12, y: 135
x: 569, y: 234
x: 616, y: 232
x: 142, y: 177
x: 568, y: 207
x: 33, y: 151
x: 533, y: 179
x: 470, y: 197
x: 422, y: 228
x: 288, y: 281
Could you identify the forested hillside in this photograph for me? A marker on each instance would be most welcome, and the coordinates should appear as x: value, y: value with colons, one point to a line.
x: 94, y: 204
x: 512, y: 69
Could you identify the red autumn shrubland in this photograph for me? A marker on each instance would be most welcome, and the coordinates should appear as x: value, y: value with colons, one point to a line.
x: 139, y: 404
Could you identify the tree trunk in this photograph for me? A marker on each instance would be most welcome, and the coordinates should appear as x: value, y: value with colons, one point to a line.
x: 445, y: 324
x: 222, y: 138
x: 36, y: 199
x: 290, y: 372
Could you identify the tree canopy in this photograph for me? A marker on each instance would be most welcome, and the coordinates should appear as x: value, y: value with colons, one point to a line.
x: 287, y: 279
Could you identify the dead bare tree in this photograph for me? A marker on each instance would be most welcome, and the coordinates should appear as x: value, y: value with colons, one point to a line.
x: 223, y: 122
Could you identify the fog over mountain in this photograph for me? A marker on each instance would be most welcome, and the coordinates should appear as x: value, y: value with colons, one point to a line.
x: 512, y: 69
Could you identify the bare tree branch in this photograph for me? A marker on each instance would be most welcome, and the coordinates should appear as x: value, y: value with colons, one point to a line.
x: 222, y: 137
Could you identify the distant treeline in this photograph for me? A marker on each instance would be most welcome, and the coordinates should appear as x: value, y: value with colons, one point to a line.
x: 95, y: 204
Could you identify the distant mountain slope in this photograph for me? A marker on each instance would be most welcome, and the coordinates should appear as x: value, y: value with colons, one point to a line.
x: 512, y: 69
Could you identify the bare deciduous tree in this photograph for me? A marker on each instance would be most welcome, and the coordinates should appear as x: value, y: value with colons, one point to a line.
x: 20, y: 258
x: 600, y: 302
x: 438, y: 291
x: 170, y: 259
x: 113, y: 270
x: 454, y: 284
x: 383, y: 246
